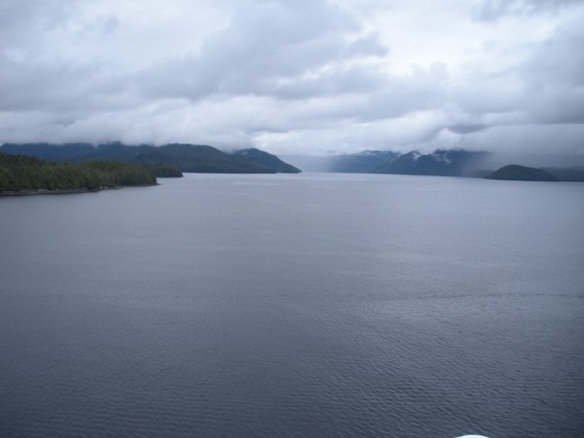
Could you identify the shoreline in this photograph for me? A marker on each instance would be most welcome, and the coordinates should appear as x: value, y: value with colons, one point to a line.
x: 32, y: 192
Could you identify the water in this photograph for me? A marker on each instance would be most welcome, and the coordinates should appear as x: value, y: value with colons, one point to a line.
x: 294, y: 305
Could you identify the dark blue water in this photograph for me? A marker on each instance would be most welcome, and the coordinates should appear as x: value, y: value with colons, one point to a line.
x: 295, y: 306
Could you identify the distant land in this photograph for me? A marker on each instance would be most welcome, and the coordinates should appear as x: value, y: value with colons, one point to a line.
x: 172, y: 159
x: 167, y: 160
x: 21, y: 174
x: 441, y: 162
x: 514, y: 172
x: 456, y: 162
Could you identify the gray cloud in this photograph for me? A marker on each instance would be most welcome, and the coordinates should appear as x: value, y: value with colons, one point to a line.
x: 559, y: 60
x: 467, y: 128
x: 492, y: 10
x: 23, y: 21
x: 268, y: 48
x: 554, y: 77
x: 305, y: 76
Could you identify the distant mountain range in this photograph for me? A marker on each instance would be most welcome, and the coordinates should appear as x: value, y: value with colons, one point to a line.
x: 441, y: 162
x: 186, y: 157
x: 457, y: 162
x: 172, y: 159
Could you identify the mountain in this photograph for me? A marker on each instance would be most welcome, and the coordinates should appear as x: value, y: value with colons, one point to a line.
x: 456, y: 162
x: 515, y: 172
x: 269, y: 161
x: 441, y: 163
x: 48, y: 151
x: 197, y: 159
x: 184, y: 157
x: 78, y: 152
x: 362, y: 162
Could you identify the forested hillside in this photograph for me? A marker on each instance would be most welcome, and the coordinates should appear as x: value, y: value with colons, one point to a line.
x: 181, y: 157
x: 20, y: 173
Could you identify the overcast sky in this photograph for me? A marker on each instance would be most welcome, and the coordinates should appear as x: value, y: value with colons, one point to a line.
x: 296, y: 76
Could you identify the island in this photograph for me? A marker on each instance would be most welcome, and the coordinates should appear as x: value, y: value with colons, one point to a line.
x: 515, y: 172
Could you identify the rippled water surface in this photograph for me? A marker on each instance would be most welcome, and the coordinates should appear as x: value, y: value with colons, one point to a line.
x: 295, y: 306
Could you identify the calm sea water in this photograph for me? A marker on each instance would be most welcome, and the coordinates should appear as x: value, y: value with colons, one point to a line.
x: 306, y: 305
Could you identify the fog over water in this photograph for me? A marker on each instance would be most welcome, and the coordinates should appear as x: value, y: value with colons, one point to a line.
x: 294, y: 305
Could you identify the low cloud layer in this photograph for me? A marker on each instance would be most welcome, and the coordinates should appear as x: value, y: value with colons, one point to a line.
x: 303, y: 77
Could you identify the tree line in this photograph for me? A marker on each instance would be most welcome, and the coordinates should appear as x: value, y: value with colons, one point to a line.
x: 25, y: 173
